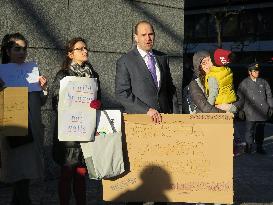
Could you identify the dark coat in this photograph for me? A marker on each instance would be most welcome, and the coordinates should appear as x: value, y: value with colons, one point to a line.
x: 135, y: 88
x: 255, y: 98
x: 66, y: 152
x: 200, y: 100
x: 25, y: 161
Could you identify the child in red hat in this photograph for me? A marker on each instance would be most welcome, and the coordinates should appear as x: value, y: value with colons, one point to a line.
x: 219, y: 88
x: 219, y: 81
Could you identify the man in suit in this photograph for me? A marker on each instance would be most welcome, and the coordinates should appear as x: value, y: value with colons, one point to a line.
x: 143, y: 79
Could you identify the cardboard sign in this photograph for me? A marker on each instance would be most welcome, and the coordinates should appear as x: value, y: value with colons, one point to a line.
x: 187, y: 158
x: 14, y: 111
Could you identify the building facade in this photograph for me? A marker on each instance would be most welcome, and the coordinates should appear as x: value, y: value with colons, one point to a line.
x: 243, y: 26
x: 107, y: 25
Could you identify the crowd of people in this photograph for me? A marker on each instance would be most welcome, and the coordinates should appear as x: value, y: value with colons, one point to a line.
x: 144, y: 85
x: 211, y: 91
x: 21, y: 157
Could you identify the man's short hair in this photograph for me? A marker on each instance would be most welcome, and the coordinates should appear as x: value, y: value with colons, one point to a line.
x: 143, y: 22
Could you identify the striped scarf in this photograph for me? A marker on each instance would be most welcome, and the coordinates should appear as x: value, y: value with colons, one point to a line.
x: 84, y: 70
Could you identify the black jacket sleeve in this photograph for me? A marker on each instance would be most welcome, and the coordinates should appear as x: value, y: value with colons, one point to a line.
x: 54, y: 91
x: 199, y: 99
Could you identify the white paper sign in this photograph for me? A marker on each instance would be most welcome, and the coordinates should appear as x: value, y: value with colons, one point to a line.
x: 76, y: 125
x: 76, y: 120
x: 21, y: 75
x: 77, y: 91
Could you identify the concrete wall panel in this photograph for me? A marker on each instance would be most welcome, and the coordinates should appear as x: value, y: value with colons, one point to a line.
x: 172, y: 4
x: 168, y: 24
x: 106, y: 25
x: 105, y: 65
x: 176, y: 66
x: 42, y: 22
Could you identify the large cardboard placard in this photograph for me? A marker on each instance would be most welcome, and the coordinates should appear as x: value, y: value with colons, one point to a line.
x: 187, y: 158
x: 14, y: 111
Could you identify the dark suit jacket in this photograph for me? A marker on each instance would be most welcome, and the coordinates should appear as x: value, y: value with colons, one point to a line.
x: 135, y: 88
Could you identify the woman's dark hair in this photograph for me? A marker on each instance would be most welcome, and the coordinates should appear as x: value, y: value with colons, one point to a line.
x: 202, y: 75
x: 69, y: 48
x: 8, y: 42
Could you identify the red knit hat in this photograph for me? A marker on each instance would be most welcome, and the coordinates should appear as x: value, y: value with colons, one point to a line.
x: 221, y: 57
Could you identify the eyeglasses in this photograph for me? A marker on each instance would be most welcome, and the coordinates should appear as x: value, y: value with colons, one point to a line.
x: 81, y: 49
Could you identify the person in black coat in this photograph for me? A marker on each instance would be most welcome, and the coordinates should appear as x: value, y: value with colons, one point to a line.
x: 68, y: 154
x: 197, y: 93
x: 21, y: 157
x: 255, y: 100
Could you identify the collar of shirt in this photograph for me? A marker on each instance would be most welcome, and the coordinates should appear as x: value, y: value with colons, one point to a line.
x: 142, y: 52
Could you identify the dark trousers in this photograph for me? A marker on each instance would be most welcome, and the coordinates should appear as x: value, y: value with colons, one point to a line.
x: 74, y: 176
x: 254, y: 131
x: 20, y: 195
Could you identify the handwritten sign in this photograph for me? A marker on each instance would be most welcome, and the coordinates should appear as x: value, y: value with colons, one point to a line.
x: 21, y: 75
x: 77, y: 92
x: 76, y: 120
x: 76, y: 125
x: 187, y: 158
x: 14, y: 111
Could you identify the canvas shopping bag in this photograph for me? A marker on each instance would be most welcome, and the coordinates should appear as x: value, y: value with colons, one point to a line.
x: 104, y: 157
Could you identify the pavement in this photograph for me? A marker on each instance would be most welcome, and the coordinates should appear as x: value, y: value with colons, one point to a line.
x: 253, y: 181
x: 253, y: 174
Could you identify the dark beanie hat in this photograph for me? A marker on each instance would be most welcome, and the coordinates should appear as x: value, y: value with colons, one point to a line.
x: 253, y: 66
x: 197, y: 59
x: 220, y: 57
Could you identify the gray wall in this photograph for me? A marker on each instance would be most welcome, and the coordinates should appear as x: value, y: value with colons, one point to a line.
x: 107, y: 25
